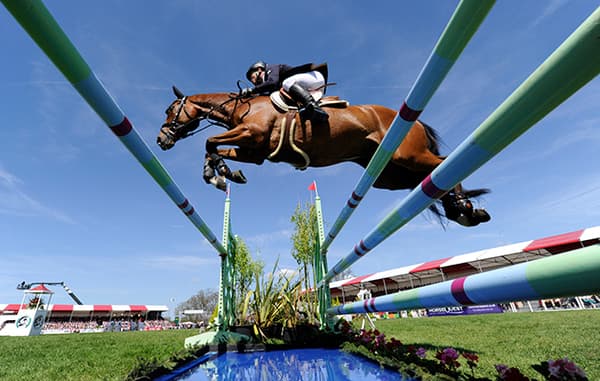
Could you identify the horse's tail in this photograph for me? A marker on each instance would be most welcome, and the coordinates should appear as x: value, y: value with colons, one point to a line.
x: 433, y: 137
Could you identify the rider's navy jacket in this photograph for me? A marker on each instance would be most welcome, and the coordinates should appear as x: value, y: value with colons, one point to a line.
x: 274, y: 76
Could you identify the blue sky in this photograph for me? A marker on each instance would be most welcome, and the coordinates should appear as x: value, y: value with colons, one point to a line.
x: 76, y: 207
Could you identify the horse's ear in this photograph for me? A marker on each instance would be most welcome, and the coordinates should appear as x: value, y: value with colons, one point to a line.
x: 177, y: 93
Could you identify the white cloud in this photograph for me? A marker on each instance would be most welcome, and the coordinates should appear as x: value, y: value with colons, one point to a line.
x: 8, y: 178
x: 549, y: 10
x: 15, y: 202
x: 288, y: 273
x: 266, y: 239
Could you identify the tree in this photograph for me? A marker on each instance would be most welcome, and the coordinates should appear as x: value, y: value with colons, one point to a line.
x: 245, y: 270
x: 304, y: 239
x: 346, y: 274
x: 205, y: 300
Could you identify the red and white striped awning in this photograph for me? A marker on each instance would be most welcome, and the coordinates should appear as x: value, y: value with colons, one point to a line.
x: 469, y: 263
x: 40, y: 289
x: 96, y: 308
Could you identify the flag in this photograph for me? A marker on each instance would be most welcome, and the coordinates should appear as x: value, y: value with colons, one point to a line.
x: 313, y: 186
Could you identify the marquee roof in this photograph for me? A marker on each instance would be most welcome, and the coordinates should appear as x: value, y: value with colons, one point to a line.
x: 438, y: 270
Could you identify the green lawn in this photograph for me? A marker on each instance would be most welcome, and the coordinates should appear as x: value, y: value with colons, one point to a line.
x: 88, y: 356
x: 515, y: 339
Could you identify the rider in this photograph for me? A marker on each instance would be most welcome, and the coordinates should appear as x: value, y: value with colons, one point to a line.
x: 296, y: 81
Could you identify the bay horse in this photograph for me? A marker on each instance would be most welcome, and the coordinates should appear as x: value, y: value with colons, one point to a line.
x: 257, y: 131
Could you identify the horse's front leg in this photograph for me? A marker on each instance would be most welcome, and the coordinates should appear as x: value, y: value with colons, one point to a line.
x: 243, y: 155
x: 243, y: 136
x: 217, y: 162
x: 210, y: 176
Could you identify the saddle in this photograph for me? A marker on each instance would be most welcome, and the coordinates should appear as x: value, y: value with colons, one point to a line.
x: 284, y: 103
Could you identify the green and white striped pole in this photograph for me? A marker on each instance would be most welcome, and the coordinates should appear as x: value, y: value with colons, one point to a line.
x: 572, y: 65
x: 320, y: 266
x: 465, y: 21
x: 226, y: 312
x: 37, y: 21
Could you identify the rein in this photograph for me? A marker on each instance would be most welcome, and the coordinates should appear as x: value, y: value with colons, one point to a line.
x: 190, y: 128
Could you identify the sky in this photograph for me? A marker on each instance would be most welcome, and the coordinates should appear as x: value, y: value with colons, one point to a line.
x: 76, y: 207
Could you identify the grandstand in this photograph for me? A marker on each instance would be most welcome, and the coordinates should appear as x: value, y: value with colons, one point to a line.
x: 15, y: 319
x: 90, y: 312
x: 66, y: 318
x: 426, y: 273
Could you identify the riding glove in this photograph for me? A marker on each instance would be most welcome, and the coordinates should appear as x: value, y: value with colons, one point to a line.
x: 246, y: 92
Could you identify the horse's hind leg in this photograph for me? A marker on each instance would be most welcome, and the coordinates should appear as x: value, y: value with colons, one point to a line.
x: 419, y: 153
x: 458, y: 207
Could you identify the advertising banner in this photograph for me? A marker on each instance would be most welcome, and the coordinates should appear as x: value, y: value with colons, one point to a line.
x: 465, y: 310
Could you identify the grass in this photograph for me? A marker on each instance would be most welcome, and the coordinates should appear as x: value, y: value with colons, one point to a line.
x: 515, y: 339
x: 82, y: 357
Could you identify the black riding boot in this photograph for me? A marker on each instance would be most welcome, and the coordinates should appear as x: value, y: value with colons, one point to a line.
x: 311, y: 108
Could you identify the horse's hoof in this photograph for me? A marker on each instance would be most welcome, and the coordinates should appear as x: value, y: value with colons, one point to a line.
x: 219, y: 182
x: 481, y: 215
x: 467, y: 221
x: 238, y: 177
x: 208, y: 175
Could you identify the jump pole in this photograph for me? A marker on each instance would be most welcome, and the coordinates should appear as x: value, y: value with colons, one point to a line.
x: 465, y: 21
x: 568, y: 274
x: 226, y: 303
x: 37, y: 21
x: 320, y: 268
x: 573, y: 64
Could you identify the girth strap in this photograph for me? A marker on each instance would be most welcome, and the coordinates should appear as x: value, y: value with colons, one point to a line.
x: 288, y: 122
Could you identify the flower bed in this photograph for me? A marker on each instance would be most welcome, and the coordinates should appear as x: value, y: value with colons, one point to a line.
x: 444, y: 364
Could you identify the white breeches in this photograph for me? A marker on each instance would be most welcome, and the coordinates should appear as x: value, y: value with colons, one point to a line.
x: 311, y: 81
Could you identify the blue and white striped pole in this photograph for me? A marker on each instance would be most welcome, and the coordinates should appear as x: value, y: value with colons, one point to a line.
x: 572, y: 65
x: 465, y: 21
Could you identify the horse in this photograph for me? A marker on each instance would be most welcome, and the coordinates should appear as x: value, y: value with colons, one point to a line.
x: 258, y: 131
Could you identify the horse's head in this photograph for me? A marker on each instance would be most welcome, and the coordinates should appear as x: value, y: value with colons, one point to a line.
x: 185, y: 114
x: 181, y: 119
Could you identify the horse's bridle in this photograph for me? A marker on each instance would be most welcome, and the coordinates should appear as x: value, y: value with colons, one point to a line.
x: 173, y: 128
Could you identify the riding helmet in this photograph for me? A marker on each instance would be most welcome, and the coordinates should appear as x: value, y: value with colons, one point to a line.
x: 255, y: 66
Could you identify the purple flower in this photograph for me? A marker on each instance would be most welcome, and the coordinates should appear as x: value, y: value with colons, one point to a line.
x: 448, y: 357
x: 563, y: 369
x: 554, y: 368
x: 380, y: 340
x: 501, y: 368
x: 421, y: 352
